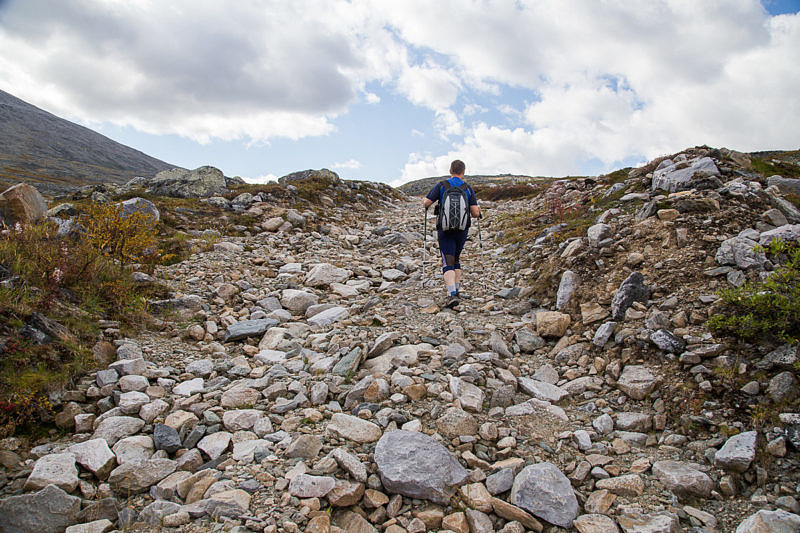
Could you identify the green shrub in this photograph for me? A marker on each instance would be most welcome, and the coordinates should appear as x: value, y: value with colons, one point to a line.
x: 765, y: 308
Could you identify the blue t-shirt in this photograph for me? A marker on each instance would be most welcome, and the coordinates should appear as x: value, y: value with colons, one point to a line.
x: 437, y: 193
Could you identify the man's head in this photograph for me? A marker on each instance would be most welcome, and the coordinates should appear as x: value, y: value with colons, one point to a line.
x: 457, y: 168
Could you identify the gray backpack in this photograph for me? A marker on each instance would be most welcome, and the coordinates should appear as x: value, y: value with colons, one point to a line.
x: 453, y: 208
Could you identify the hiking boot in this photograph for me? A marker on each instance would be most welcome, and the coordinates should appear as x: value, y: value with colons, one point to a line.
x: 452, y: 301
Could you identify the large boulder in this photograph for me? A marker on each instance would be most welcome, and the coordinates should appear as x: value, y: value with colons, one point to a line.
x: 764, y: 521
x: 785, y: 185
x: 50, y: 510
x: 21, y: 203
x: 202, y: 182
x: 685, y: 175
x: 324, y: 274
x: 415, y: 465
x: 321, y: 174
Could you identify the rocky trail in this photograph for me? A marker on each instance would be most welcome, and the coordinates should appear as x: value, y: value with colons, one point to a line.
x: 306, y: 377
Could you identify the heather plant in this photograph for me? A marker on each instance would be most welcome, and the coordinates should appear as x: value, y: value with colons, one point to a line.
x: 74, y: 282
x: 768, y: 308
x: 127, y: 238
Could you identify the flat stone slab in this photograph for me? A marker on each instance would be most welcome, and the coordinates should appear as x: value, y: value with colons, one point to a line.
x: 541, y: 390
x: 50, y: 510
x: 353, y: 428
x: 683, y: 480
x: 95, y: 456
x: 248, y: 328
x: 416, y: 465
x: 55, y: 469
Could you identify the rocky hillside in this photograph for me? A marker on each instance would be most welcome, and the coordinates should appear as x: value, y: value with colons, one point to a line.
x: 56, y: 155
x: 305, y: 376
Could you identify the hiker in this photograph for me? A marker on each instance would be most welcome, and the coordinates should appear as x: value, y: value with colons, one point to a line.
x: 457, y: 202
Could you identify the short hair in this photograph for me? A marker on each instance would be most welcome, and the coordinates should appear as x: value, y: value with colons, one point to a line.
x: 457, y: 167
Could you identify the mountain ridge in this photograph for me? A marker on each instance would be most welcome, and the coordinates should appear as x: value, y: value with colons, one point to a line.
x: 56, y: 155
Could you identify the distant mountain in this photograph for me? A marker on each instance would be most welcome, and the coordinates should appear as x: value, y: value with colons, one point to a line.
x: 56, y: 155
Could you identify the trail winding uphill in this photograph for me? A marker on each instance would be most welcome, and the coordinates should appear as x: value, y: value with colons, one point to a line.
x: 310, y: 380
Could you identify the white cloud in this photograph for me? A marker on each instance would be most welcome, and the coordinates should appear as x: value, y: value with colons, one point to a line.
x: 349, y: 164
x: 269, y: 178
x: 591, y: 81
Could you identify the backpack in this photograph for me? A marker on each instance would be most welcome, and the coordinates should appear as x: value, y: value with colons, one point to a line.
x: 453, y: 208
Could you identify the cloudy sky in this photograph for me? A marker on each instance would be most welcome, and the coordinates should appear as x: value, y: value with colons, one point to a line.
x: 393, y: 90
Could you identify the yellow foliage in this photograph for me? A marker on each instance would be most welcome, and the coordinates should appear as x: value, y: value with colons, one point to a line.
x: 127, y: 239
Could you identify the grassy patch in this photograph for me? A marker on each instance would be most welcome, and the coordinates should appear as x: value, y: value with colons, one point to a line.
x: 62, y: 286
x: 771, y: 167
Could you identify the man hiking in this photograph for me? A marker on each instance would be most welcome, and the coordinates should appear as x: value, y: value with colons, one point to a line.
x: 457, y: 202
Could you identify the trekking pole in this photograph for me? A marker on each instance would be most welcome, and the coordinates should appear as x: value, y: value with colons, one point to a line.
x: 424, y: 242
x: 480, y: 239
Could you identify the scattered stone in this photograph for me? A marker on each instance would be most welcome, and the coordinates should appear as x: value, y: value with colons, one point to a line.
x: 415, y: 465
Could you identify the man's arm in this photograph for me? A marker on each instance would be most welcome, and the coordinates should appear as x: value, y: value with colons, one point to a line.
x: 426, y: 203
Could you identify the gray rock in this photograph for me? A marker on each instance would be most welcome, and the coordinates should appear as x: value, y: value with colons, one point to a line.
x: 353, y: 428
x: 324, y: 274
x: 50, y: 510
x: 770, y: 522
x: 637, y: 381
x: 597, y: 233
x: 541, y: 390
x: 166, y: 438
x: 498, y: 345
x: 499, y: 482
x: 350, y: 464
x: 783, y: 357
x: 114, y: 428
x: 95, y: 456
x: 785, y: 185
x: 638, y: 522
x: 297, y: 302
x: 470, y: 396
x: 128, y: 367
x: 603, y: 333
x: 631, y: 290
x: 740, y: 251
x: 106, y: 377
x: 202, y: 182
x: 154, y: 513
x: 415, y: 465
x: 604, y: 424
x: 248, y: 328
x: 679, y: 176
x: 329, y: 316
x: 528, y: 341
x: 667, y: 341
x: 200, y: 367
x: 382, y: 343
x: 55, y: 469
x: 305, y: 447
x: 566, y: 288
x: 738, y: 452
x: 135, y: 477
x: 683, y: 480
x: 545, y: 492
x: 140, y: 205
x: 306, y: 486
x: 782, y: 387
x: 787, y: 233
